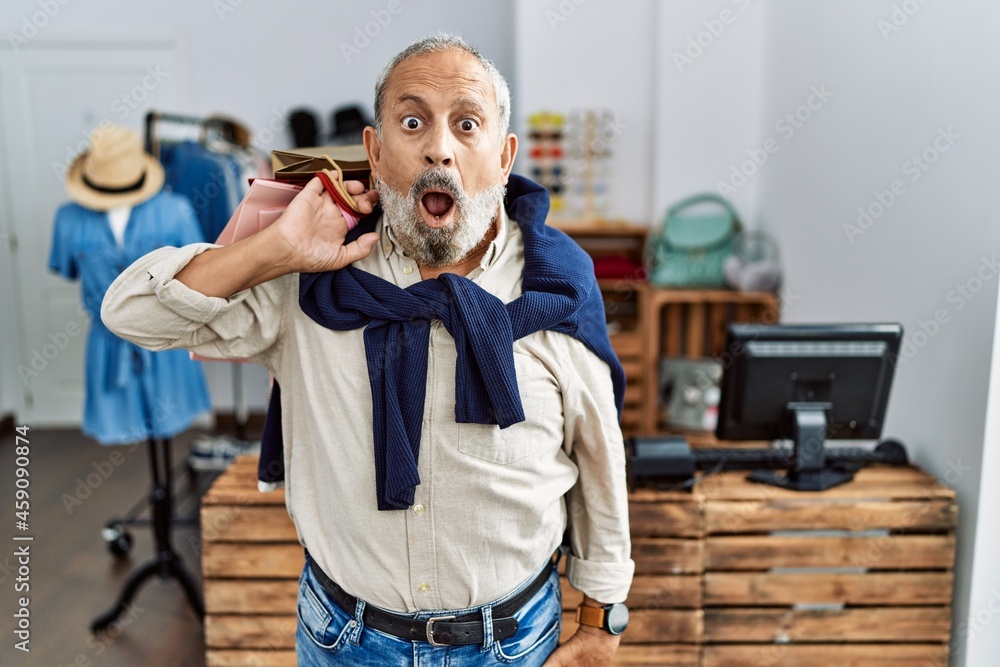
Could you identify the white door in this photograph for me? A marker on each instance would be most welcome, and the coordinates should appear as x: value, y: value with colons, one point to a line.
x: 52, y: 94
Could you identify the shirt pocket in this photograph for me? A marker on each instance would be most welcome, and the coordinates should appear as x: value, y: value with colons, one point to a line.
x: 539, y: 393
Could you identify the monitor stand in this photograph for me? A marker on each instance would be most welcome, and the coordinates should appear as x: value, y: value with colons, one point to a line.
x: 808, y: 470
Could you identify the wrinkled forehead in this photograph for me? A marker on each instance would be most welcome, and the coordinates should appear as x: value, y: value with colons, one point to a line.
x: 451, y: 77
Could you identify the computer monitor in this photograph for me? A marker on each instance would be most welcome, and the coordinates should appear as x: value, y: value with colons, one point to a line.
x: 807, y: 383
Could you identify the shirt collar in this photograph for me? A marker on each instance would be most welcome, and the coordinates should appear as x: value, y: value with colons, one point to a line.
x: 390, y: 244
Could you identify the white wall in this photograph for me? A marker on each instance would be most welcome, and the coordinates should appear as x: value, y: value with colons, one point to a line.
x: 597, y: 55
x: 890, y: 98
x: 257, y: 60
x: 10, y: 387
x: 984, y: 604
x: 708, y: 91
x: 681, y: 124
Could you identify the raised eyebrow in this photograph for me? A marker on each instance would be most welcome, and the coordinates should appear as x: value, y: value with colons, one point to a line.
x: 415, y: 99
x: 469, y: 103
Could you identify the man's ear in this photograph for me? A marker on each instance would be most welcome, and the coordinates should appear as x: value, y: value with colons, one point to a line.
x: 373, y: 146
x: 508, y: 151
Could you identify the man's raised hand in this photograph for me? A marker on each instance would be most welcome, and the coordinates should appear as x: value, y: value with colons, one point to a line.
x: 312, y: 229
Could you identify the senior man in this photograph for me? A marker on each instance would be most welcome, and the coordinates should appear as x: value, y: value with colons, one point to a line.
x: 449, y: 397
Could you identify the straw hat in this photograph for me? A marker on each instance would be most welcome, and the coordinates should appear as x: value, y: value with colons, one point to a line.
x: 114, y: 172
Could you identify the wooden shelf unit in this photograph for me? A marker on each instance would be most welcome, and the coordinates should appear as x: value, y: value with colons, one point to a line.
x: 624, y: 302
x: 655, y: 323
x: 692, y: 324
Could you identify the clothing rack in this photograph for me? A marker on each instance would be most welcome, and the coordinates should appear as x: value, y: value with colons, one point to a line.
x: 180, y: 126
x: 205, y: 126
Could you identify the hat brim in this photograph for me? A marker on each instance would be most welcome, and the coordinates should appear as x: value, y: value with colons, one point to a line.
x: 87, y: 197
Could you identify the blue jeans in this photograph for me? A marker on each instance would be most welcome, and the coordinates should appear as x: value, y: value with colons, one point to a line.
x: 328, y: 635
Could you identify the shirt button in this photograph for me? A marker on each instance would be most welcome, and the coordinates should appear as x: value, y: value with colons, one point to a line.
x: 418, y: 509
x: 387, y: 247
x: 407, y: 269
x: 423, y: 588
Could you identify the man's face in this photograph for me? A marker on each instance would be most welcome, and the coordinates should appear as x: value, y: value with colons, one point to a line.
x: 440, y: 165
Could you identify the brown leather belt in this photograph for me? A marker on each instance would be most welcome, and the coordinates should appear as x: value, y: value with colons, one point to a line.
x: 438, y: 630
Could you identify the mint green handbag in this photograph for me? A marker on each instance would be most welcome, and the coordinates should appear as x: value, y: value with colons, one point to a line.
x: 689, y: 249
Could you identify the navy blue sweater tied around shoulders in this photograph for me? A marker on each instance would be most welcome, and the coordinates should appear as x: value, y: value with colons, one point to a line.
x: 559, y: 293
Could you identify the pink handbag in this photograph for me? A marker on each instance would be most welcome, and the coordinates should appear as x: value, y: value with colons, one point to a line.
x: 263, y: 204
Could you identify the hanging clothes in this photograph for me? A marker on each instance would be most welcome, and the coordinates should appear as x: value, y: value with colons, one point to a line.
x: 132, y: 394
x: 209, y: 180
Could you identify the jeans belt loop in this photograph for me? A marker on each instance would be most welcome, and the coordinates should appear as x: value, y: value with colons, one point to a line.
x: 487, y: 627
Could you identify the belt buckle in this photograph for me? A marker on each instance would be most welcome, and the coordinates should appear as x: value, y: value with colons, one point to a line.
x: 430, y: 631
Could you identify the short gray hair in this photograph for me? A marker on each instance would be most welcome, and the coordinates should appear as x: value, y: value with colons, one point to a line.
x: 433, y: 44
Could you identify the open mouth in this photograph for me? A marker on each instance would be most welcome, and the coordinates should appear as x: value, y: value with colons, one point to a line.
x: 438, y: 204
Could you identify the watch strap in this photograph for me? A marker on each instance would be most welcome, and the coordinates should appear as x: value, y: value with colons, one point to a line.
x: 587, y: 615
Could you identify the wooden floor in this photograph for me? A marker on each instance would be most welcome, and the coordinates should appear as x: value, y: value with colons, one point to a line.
x: 73, y: 575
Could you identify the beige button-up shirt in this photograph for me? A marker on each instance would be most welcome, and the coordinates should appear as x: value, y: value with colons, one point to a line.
x: 492, y: 504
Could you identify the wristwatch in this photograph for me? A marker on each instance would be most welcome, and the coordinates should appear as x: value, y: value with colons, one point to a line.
x: 611, y: 617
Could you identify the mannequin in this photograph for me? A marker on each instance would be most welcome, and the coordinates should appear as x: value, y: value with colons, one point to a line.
x: 131, y: 393
x: 116, y: 185
x: 118, y: 218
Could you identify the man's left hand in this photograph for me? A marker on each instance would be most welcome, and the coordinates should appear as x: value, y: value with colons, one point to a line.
x: 588, y: 647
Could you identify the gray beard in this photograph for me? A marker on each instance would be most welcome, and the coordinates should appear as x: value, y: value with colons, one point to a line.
x: 430, y: 247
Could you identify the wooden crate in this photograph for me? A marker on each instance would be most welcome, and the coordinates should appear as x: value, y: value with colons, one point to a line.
x: 857, y: 575
x: 729, y: 574
x: 628, y: 347
x: 251, y: 561
x: 624, y: 302
x: 692, y: 324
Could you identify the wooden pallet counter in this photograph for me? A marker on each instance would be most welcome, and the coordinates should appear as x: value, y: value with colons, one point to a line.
x: 732, y: 574
x: 857, y: 575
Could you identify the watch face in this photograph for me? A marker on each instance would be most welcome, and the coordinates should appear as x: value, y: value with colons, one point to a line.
x: 617, y: 618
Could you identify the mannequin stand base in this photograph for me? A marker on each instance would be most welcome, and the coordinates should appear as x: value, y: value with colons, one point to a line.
x: 166, y: 565
x: 167, y: 562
